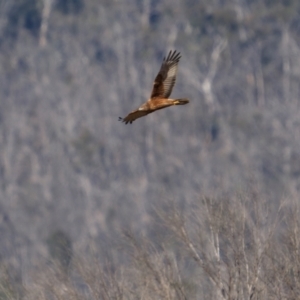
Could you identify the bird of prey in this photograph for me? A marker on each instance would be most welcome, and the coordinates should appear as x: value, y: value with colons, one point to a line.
x: 162, y: 88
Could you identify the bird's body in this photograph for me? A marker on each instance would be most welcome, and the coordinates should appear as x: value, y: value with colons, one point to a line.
x: 162, y: 88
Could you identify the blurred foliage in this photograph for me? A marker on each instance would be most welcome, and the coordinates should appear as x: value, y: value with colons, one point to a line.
x: 7, y: 286
x: 86, y: 146
x: 60, y: 248
x: 24, y: 14
x: 69, y: 6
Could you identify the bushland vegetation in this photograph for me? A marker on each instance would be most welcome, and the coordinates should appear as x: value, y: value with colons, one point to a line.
x: 190, y: 202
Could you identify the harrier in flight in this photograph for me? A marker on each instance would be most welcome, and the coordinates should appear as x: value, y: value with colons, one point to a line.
x: 162, y: 88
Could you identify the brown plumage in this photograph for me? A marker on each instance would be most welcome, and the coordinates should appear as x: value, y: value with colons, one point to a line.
x: 162, y: 88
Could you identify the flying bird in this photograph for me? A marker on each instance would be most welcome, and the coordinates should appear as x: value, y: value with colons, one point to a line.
x: 162, y: 88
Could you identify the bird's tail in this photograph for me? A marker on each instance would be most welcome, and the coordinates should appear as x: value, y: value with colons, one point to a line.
x: 181, y: 101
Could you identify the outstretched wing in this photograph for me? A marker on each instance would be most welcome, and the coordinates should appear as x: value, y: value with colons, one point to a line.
x: 134, y: 115
x: 165, y: 79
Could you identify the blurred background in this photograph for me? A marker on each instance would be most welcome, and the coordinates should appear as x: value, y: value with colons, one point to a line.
x: 69, y: 68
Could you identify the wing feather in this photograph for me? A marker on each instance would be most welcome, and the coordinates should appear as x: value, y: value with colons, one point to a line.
x: 166, y: 77
x: 134, y: 115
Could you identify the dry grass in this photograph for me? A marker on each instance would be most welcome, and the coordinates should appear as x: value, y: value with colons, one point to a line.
x: 218, y: 249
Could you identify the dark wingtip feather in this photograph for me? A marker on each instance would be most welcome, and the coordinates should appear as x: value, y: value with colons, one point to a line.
x: 122, y: 120
x: 173, y: 56
x: 126, y: 122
